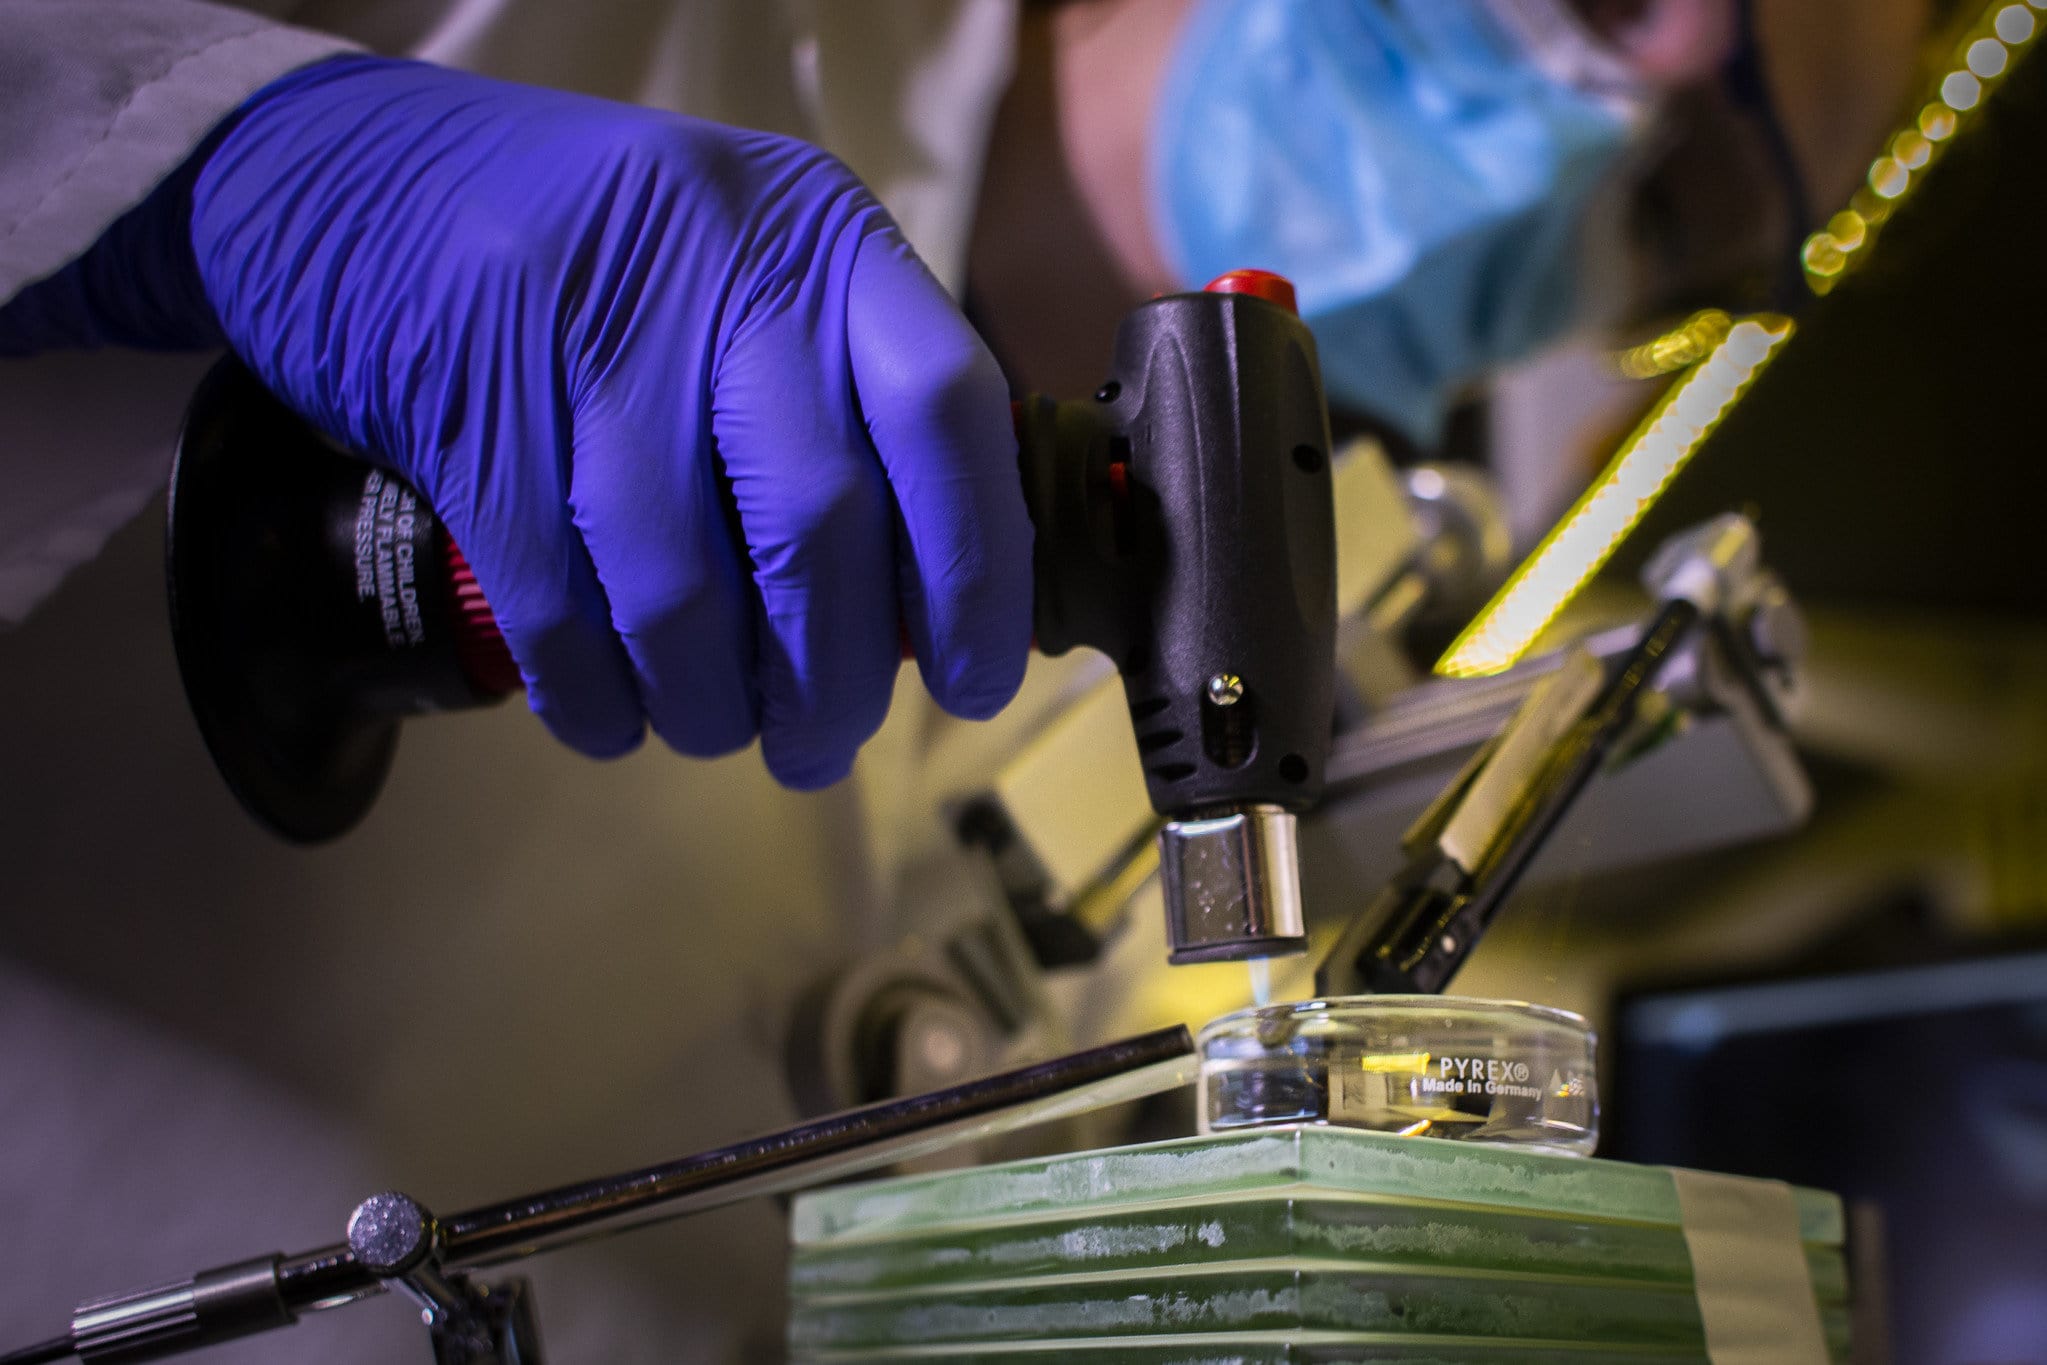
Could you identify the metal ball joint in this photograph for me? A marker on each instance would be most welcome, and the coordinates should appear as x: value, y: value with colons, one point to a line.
x: 390, y: 1234
x: 395, y: 1239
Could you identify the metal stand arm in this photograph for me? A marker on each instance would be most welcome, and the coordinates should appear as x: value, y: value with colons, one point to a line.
x: 395, y: 1243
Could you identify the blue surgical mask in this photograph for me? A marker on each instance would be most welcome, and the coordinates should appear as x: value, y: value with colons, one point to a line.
x: 1425, y: 171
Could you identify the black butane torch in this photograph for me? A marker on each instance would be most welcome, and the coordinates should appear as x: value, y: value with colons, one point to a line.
x: 1185, y: 527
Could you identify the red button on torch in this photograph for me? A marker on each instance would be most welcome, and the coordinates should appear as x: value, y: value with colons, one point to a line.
x: 1276, y: 290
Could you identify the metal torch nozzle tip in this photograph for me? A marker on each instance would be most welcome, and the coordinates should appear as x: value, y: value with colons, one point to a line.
x: 1232, y: 885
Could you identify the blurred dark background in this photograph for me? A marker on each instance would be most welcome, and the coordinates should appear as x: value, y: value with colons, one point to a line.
x: 1895, y: 459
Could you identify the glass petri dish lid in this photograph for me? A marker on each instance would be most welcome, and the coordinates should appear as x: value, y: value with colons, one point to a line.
x: 1492, y: 1071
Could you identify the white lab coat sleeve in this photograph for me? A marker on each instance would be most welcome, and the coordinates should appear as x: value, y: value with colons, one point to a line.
x: 905, y: 94
x: 99, y: 100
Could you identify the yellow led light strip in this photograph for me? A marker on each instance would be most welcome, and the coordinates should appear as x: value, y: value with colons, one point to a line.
x: 1984, y: 56
x: 1586, y: 538
x: 1588, y: 535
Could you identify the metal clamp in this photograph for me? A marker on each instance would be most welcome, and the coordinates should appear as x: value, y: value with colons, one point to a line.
x: 1468, y: 851
x: 395, y: 1243
x: 395, y: 1239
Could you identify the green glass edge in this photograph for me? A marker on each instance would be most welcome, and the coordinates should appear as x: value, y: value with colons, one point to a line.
x: 1341, y: 1159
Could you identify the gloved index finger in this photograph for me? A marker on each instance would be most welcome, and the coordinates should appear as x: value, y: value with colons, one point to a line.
x: 937, y: 410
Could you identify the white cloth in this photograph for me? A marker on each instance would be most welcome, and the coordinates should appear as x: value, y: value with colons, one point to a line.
x: 525, y: 968
x: 99, y: 100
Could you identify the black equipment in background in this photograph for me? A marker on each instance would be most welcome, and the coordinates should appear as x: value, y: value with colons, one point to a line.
x: 1920, y: 1090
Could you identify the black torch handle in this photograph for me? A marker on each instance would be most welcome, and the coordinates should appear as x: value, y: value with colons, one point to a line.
x: 1184, y: 519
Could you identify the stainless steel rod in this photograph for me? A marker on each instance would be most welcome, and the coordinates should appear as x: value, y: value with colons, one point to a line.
x: 807, y: 1154
x: 271, y: 1291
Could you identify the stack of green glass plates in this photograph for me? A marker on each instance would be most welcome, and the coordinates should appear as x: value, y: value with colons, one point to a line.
x: 1303, y: 1244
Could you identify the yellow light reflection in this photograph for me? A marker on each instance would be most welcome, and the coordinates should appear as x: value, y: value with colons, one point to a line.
x: 1394, y: 1063
x: 1588, y: 535
x: 1937, y: 121
x: 1987, y: 58
x: 1679, y: 348
x: 1726, y: 361
x: 1873, y: 207
x: 1981, y: 60
x: 1824, y: 255
x: 1888, y: 178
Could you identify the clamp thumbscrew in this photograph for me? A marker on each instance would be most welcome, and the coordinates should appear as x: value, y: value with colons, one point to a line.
x: 395, y: 1239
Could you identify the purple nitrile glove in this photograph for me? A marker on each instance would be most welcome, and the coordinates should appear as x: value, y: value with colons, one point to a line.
x: 701, y: 421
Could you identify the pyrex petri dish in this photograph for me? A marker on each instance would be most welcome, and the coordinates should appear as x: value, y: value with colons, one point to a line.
x: 1436, y: 1066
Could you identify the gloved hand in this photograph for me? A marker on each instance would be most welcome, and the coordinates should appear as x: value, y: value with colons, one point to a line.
x: 702, y: 423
